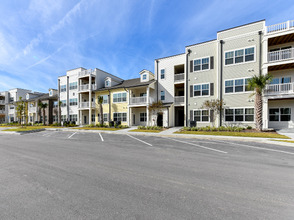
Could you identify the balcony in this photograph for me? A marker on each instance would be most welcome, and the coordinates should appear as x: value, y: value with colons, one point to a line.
x: 281, y: 55
x: 86, y: 87
x: 86, y: 105
x: 2, y: 111
x: 288, y: 25
x: 140, y: 100
x: 2, y: 102
x: 279, y: 89
x: 11, y: 111
x: 86, y: 73
x: 179, y: 77
x: 32, y: 109
x: 179, y: 100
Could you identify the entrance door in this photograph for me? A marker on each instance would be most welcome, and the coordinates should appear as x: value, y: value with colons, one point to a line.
x: 181, y: 117
x: 134, y: 119
x: 85, y: 119
x: 159, y: 120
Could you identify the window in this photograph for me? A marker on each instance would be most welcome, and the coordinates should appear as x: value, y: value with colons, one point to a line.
x: 63, y: 88
x: 31, y: 118
x: 201, y: 64
x: 63, y: 117
x: 73, y: 102
x: 144, y: 76
x: 143, y: 94
x: 105, y: 99
x: 28, y: 96
x: 73, y: 117
x: 105, y: 117
x: 237, y: 85
x: 162, y: 74
x: 11, y: 99
x: 280, y: 114
x: 63, y: 104
x: 11, y: 107
x: 281, y: 80
x: 120, y: 116
x: 11, y: 118
x: 45, y: 117
x: 107, y: 83
x: 120, y: 97
x: 93, y: 117
x: 162, y: 95
x: 239, y: 115
x: 55, y: 118
x: 143, y: 116
x: 55, y: 104
x: 239, y: 56
x: 73, y: 85
x: 201, y: 90
x: 201, y: 115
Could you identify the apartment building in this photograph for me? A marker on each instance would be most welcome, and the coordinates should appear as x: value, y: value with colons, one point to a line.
x: 127, y: 101
x: 76, y: 92
x: 4, y: 98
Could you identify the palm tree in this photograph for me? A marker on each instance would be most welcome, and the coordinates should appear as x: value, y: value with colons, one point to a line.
x: 43, y: 106
x: 258, y: 83
x: 100, y: 102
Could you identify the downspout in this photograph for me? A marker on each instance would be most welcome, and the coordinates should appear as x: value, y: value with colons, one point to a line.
x: 221, y: 80
x: 187, y: 70
x: 109, y: 115
x: 260, y: 52
x: 157, y: 61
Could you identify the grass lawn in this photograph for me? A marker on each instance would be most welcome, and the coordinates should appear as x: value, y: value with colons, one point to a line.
x: 106, y: 129
x: 284, y: 141
x: 27, y: 128
x: 142, y: 130
x: 237, y: 134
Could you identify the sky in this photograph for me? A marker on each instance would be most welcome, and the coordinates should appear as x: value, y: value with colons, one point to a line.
x: 42, y: 39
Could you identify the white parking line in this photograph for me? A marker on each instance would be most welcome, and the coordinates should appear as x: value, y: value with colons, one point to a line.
x: 207, y: 148
x: 140, y: 140
x: 72, y: 134
x: 259, y: 148
x: 47, y: 134
x: 101, y: 137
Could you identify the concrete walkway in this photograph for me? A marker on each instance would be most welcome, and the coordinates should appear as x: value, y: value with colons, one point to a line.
x: 287, y: 132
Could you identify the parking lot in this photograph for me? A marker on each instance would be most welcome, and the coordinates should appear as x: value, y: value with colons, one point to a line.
x: 79, y: 175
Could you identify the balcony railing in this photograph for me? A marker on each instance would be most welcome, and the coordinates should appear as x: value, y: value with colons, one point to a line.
x: 277, y: 89
x: 140, y: 100
x: 281, y: 55
x: 2, y: 102
x: 94, y: 87
x: 279, y: 27
x: 2, y: 111
x: 179, y: 77
x: 86, y: 105
x: 86, y: 73
x: 11, y: 111
x: 32, y: 109
x: 87, y: 87
x: 179, y: 100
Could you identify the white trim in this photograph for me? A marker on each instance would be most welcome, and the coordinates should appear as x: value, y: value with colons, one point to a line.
x: 201, y: 89
x: 233, y: 50
x: 201, y: 115
x: 121, y: 97
x: 200, y: 58
x: 279, y: 114
x: 231, y: 93
x: 122, y: 117
x: 233, y: 108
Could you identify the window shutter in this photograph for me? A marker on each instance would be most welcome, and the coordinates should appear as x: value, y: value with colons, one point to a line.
x: 191, y: 66
x: 211, y: 89
x: 211, y: 62
x: 211, y: 115
x: 191, y: 115
x: 191, y: 91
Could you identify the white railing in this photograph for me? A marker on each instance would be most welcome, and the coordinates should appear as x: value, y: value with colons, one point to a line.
x: 281, y: 55
x: 179, y: 99
x: 93, y: 86
x: 179, y: 77
x: 138, y: 100
x: 33, y: 109
x: 279, y: 27
x: 86, y: 105
x: 86, y: 73
x: 276, y: 89
x: 2, y: 102
x: 93, y: 104
x: 2, y: 111
x: 11, y: 111
x: 84, y: 87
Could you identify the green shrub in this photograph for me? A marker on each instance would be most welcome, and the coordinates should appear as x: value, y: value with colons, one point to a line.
x: 249, y: 127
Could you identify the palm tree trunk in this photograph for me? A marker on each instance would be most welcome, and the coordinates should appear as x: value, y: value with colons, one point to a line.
x: 44, y: 116
x: 258, y: 111
x: 101, y: 113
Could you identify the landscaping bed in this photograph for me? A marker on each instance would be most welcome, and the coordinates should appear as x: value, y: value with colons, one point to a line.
x: 151, y: 129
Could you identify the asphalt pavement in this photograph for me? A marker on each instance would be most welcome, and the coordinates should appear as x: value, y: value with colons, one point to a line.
x: 79, y: 175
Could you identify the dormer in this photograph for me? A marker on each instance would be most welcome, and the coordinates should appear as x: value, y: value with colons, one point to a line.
x: 146, y: 76
x: 27, y: 96
x: 52, y: 92
x: 109, y: 82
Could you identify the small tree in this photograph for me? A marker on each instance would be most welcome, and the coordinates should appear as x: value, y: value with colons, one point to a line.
x: 155, y: 108
x: 20, y: 109
x: 43, y: 106
x: 100, y: 102
x: 258, y: 83
x: 215, y: 106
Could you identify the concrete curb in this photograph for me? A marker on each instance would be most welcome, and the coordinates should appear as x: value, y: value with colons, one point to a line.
x: 24, y: 132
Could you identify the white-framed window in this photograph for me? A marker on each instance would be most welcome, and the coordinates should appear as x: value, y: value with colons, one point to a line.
x: 55, y: 104
x: 237, y: 85
x: 119, y: 97
x: 105, y: 99
x: 281, y: 80
x: 50, y: 93
x: 73, y: 102
x: 73, y: 85
x: 73, y: 117
x: 11, y: 99
x: 201, y: 64
x: 144, y: 77
x: 105, y: 117
x: 120, y: 116
x: 143, y: 116
x: 201, y: 115
x: 107, y: 83
x: 93, y: 117
x: 242, y: 55
x: 162, y: 74
x: 201, y: 90
x: 239, y: 115
x: 63, y: 117
x: 280, y: 114
x: 162, y: 95
x: 11, y: 107
x: 31, y: 118
x: 28, y: 96
x: 55, y: 118
x: 63, y: 88
x: 63, y: 104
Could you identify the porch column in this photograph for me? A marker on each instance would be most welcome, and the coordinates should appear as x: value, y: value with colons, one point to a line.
x: 129, y: 116
x: 265, y: 115
x: 148, y: 101
x: 147, y: 112
x: 90, y: 99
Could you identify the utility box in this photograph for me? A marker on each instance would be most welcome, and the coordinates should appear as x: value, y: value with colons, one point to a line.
x: 193, y: 123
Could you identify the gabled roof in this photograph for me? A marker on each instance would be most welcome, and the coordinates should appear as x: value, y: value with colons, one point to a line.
x: 128, y: 84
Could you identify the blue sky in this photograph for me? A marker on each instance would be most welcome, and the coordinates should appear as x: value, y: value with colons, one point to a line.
x: 42, y: 39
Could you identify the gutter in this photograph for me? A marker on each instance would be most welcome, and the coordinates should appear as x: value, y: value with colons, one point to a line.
x: 221, y: 80
x: 157, y: 61
x: 109, y: 102
x: 187, y: 89
x: 260, y: 52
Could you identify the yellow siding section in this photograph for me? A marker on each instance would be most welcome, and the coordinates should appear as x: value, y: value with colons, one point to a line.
x: 115, y: 107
